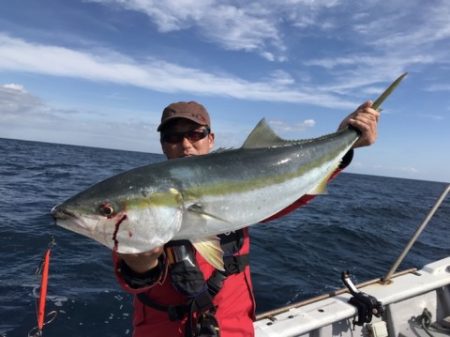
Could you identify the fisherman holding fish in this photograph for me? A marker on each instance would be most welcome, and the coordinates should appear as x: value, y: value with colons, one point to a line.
x: 178, y: 292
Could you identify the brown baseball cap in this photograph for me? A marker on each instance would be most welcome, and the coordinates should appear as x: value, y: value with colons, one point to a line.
x: 189, y: 110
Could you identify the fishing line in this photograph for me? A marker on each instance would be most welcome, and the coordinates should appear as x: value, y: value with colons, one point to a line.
x: 41, y: 299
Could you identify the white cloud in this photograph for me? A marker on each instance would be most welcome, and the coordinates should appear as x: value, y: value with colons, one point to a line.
x: 387, y: 43
x: 394, y: 170
x: 281, y: 77
x: 13, y: 86
x: 236, y: 25
x: 359, y: 70
x: 14, y: 99
x: 431, y: 116
x: 25, y: 116
x: 399, y: 38
x: 425, y: 27
x: 281, y: 126
x: 438, y: 87
x: 158, y: 75
x: 260, y: 27
x: 233, y: 27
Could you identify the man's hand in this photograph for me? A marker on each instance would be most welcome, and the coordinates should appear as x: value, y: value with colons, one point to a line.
x: 143, y: 262
x: 365, y: 119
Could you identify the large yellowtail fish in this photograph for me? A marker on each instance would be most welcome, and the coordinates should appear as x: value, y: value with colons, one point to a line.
x: 197, y: 198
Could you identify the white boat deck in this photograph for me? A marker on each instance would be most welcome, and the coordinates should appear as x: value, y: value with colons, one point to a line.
x: 404, y: 300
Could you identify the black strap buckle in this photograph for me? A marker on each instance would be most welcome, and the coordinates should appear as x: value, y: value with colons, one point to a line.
x: 235, y: 264
x: 207, y: 326
x: 176, y: 312
x: 215, y: 282
x: 200, y: 303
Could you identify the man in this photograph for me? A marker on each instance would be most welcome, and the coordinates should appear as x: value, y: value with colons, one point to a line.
x: 177, y: 292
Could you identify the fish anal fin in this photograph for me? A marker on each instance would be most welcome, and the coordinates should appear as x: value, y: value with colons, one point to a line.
x: 198, y: 210
x: 211, y: 251
x: 321, y: 187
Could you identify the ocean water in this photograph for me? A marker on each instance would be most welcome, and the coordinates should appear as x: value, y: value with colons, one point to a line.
x: 361, y: 225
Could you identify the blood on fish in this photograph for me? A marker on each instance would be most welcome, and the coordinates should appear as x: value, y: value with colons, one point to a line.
x: 116, y: 230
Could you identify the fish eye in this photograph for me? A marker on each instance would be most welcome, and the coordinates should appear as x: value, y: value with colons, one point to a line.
x: 106, y: 209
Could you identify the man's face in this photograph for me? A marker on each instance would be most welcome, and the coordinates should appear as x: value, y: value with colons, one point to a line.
x: 176, y: 142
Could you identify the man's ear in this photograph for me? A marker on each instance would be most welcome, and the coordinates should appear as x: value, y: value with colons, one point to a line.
x: 211, y: 138
x: 163, y: 149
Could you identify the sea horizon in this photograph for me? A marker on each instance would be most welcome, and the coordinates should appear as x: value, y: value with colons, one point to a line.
x: 162, y: 156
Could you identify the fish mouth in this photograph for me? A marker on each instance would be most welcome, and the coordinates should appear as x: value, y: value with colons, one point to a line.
x: 70, y: 220
x: 60, y: 213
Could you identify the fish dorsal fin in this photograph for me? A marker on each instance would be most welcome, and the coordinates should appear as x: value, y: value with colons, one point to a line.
x: 220, y: 150
x: 211, y: 251
x: 263, y: 136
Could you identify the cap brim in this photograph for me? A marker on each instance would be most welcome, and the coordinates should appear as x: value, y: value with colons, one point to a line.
x: 169, y: 119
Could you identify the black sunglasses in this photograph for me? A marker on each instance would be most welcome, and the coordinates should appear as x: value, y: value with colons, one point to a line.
x: 191, y: 135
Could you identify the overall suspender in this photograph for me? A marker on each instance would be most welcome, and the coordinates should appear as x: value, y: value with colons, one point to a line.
x: 187, y: 278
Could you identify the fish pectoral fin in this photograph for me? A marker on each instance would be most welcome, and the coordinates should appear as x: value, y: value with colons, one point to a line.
x: 199, y: 210
x: 211, y: 251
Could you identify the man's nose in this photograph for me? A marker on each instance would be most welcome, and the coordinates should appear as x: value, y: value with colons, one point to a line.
x: 186, y: 142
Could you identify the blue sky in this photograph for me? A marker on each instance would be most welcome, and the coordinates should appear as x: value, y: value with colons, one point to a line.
x: 99, y: 72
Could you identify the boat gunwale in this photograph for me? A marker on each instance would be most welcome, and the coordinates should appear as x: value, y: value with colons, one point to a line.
x: 271, y: 313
